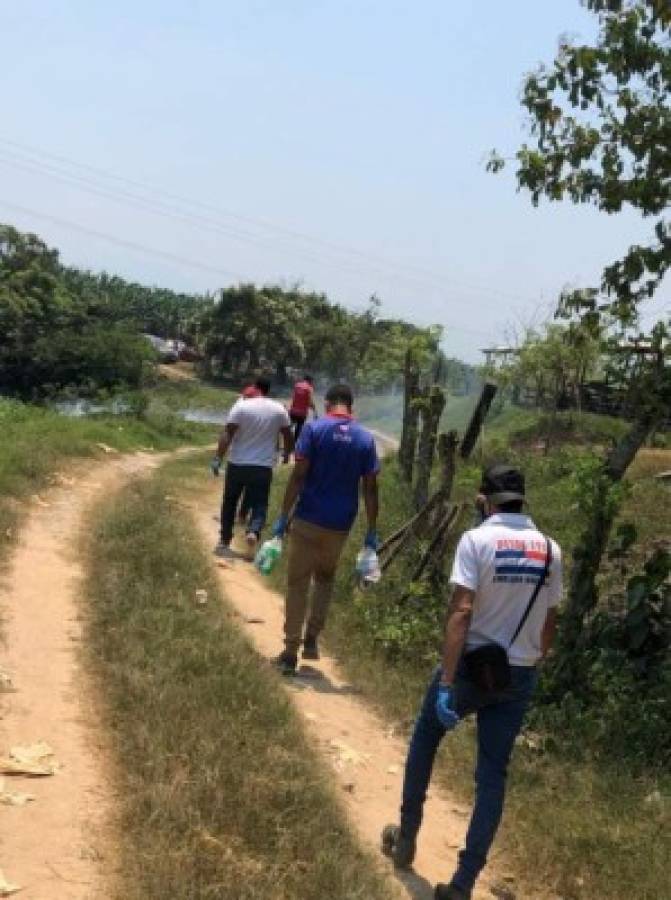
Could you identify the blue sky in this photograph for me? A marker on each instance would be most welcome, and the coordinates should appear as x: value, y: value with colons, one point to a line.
x: 339, y: 143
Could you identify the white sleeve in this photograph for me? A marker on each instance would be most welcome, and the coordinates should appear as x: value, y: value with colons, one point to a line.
x: 554, y: 582
x: 234, y: 414
x: 465, y: 570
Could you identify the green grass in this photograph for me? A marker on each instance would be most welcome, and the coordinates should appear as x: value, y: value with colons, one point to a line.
x: 382, y: 412
x: 36, y: 441
x: 385, y: 412
x: 578, y: 823
x: 221, y: 795
x: 176, y: 395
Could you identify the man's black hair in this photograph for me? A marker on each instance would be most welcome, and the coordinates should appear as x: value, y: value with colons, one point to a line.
x: 263, y: 385
x: 308, y: 378
x: 340, y: 394
x: 512, y: 506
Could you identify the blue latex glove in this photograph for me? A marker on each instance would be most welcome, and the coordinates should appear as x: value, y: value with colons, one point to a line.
x: 372, y: 540
x: 215, y: 465
x: 446, y: 715
x: 280, y: 526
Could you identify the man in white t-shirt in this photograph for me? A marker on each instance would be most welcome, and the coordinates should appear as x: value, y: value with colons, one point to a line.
x: 507, y: 584
x: 250, y: 438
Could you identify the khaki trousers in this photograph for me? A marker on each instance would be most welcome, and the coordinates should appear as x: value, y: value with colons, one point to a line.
x: 313, y: 558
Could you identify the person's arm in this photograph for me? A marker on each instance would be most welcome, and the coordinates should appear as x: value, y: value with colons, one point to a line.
x: 549, y: 631
x: 295, y: 486
x: 456, y: 630
x: 287, y: 442
x: 226, y: 438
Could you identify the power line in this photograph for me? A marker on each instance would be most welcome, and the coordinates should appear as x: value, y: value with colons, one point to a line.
x: 419, y: 275
x: 120, y: 242
x: 166, y: 212
x: 162, y: 254
x: 140, y: 203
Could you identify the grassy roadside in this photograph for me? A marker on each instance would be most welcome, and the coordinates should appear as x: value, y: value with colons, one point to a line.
x: 586, y: 828
x: 177, y: 395
x: 36, y: 440
x: 221, y: 795
x: 384, y: 412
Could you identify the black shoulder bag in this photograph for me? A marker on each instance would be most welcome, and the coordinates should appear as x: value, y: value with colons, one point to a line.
x: 488, y: 667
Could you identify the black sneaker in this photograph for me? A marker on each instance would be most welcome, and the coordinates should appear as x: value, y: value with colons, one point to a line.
x: 450, y: 892
x: 400, y: 849
x: 286, y: 663
x: 310, y: 648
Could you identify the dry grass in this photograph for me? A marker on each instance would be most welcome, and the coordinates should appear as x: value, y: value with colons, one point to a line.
x: 222, y: 796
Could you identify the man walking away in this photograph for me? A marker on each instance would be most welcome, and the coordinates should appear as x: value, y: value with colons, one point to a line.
x: 302, y: 401
x: 507, y: 584
x: 251, y: 433
x: 335, y: 456
x: 249, y: 391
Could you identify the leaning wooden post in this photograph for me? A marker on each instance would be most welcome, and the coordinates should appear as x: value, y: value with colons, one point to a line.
x: 470, y: 438
x: 408, y: 445
x: 447, y: 450
x: 395, y: 545
x: 441, y: 534
x: 432, y: 410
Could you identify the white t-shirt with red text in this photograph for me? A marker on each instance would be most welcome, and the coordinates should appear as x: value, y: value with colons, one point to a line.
x: 502, y: 561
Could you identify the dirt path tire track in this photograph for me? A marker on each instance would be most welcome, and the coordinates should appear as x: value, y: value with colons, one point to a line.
x: 57, y: 846
x: 341, y: 726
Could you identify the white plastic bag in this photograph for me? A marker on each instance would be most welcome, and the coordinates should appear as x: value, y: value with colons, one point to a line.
x: 368, y: 567
x: 268, y: 554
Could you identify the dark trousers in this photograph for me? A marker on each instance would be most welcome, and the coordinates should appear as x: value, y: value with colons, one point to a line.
x: 499, y: 720
x: 255, y: 482
x: 297, y: 422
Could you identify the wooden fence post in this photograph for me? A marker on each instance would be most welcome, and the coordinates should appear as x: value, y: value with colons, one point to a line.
x: 408, y: 444
x: 447, y: 449
x: 432, y: 410
x: 470, y: 438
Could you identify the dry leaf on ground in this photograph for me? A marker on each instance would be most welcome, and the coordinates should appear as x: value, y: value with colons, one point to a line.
x: 347, y: 754
x: 6, y: 887
x: 106, y: 448
x: 13, y: 798
x: 35, y: 759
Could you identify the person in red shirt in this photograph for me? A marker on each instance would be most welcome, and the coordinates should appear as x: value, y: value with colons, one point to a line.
x: 302, y: 401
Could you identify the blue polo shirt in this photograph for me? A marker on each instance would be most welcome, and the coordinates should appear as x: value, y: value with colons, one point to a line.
x: 340, y: 453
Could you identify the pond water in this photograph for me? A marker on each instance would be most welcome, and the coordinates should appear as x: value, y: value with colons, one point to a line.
x: 78, y: 408
x: 204, y: 416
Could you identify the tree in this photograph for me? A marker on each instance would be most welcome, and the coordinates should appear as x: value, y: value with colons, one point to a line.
x: 250, y: 327
x: 555, y: 363
x: 52, y: 337
x: 601, y: 122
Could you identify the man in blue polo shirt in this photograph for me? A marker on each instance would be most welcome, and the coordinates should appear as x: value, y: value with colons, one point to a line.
x: 335, y: 456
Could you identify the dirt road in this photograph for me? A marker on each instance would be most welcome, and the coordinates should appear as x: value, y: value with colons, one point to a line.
x: 56, y: 846
x: 366, y: 757
x: 59, y: 846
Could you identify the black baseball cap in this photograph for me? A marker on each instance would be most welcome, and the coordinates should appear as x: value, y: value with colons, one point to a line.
x: 502, y: 484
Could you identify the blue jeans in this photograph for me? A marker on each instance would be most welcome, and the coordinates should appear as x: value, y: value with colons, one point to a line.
x: 255, y: 482
x: 499, y: 719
